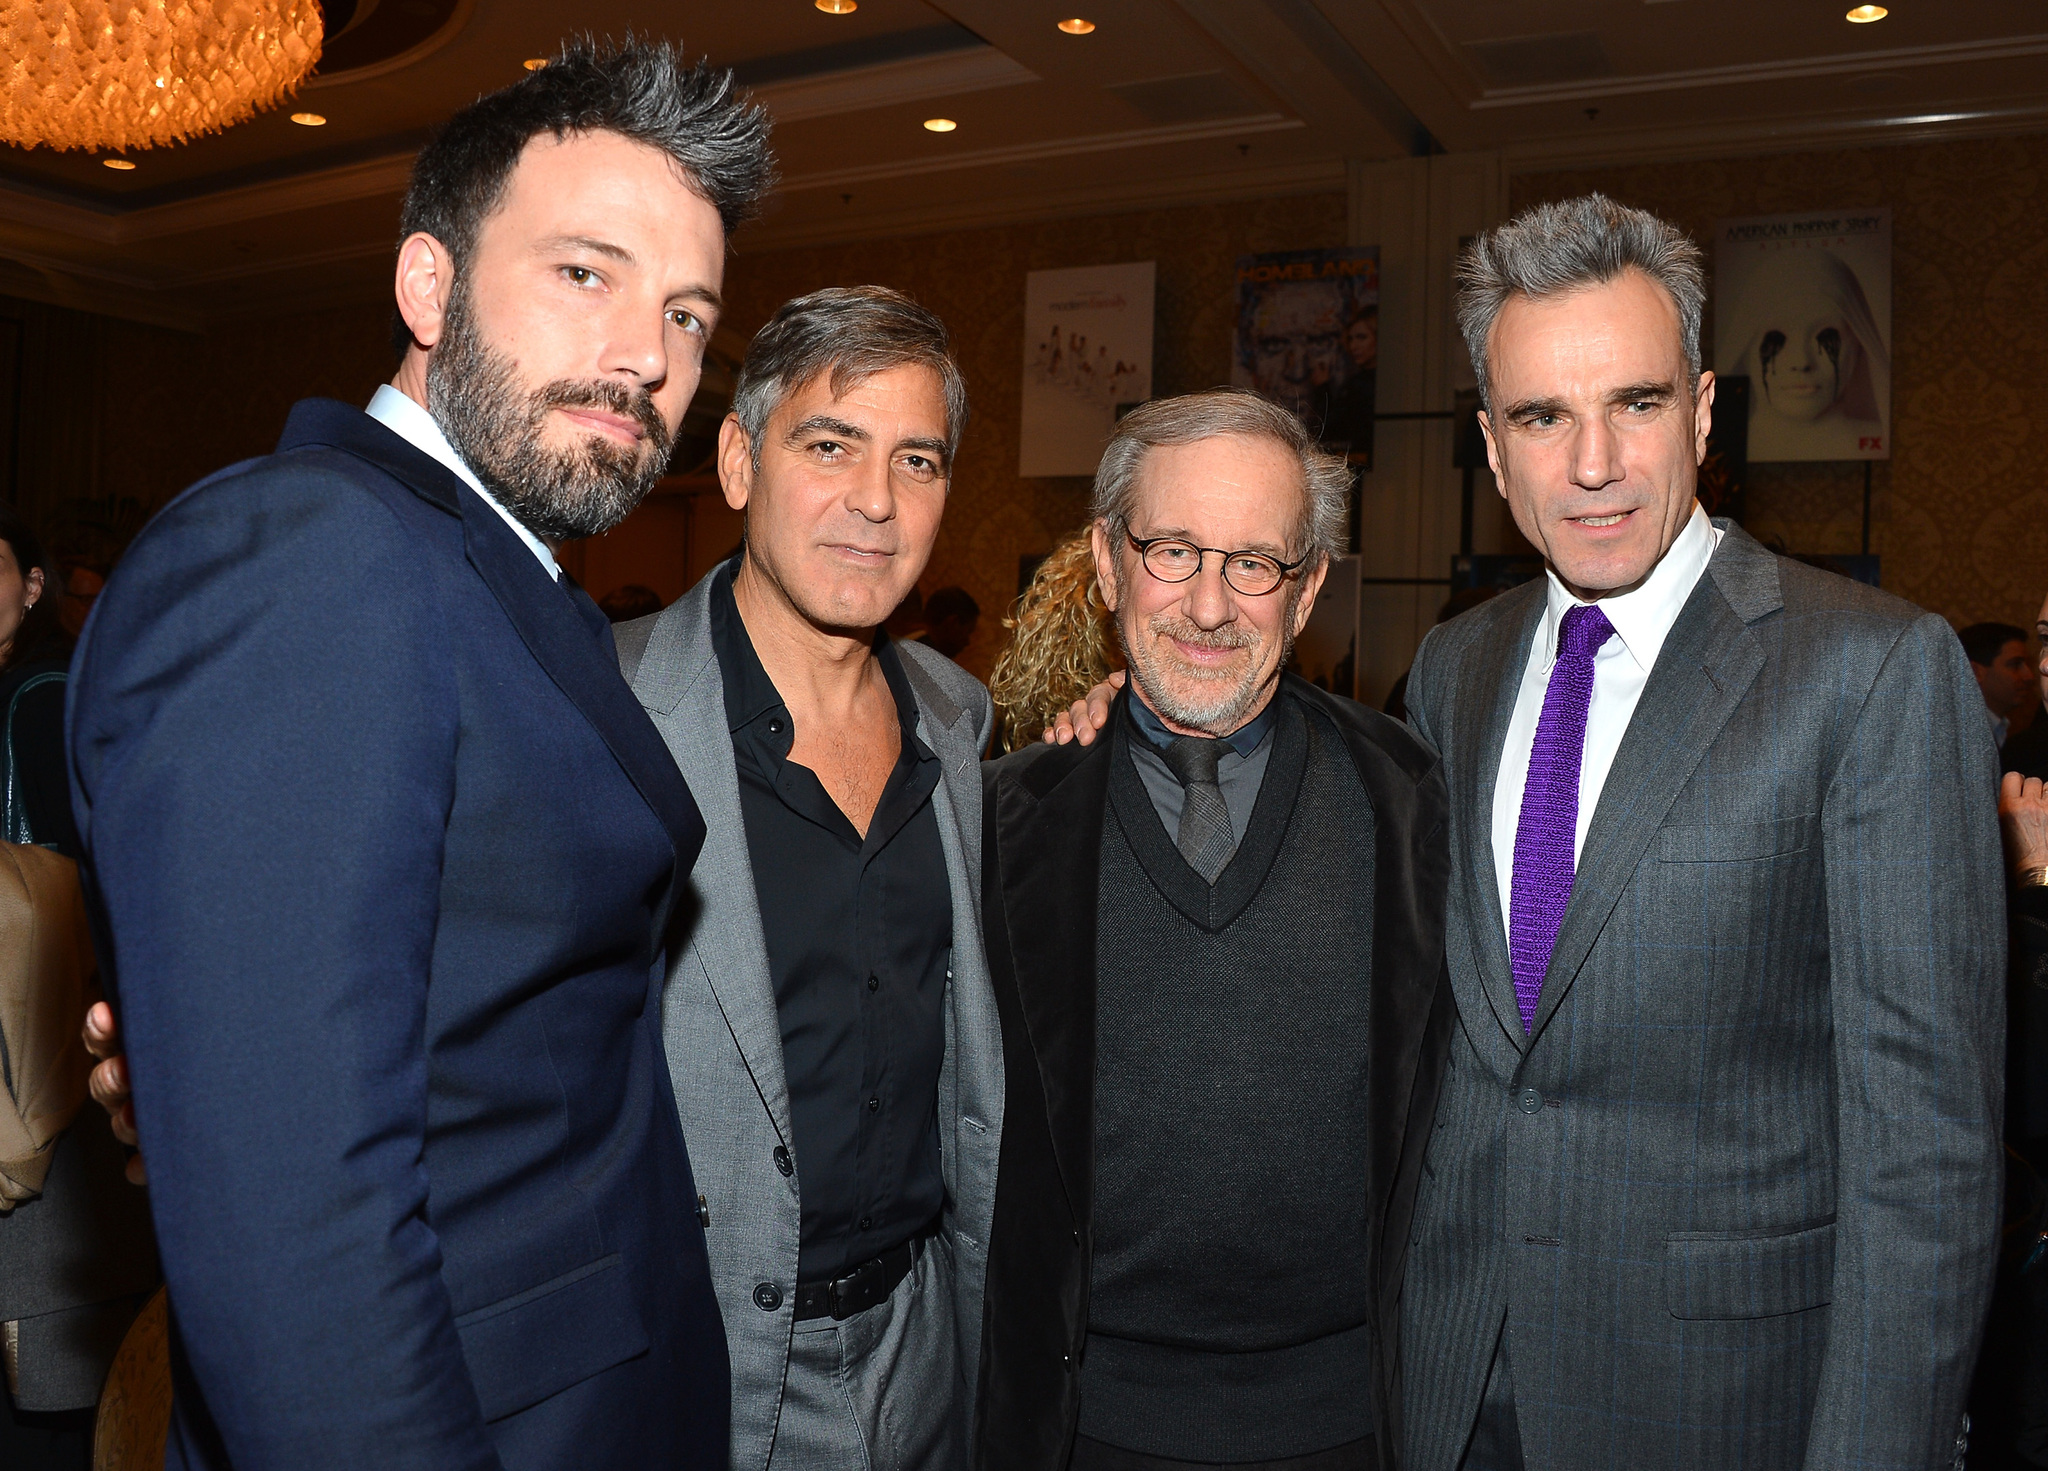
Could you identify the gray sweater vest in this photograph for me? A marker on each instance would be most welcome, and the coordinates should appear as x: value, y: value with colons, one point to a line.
x: 1229, y: 1289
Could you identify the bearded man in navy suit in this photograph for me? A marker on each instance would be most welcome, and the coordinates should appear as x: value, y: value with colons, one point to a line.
x: 382, y: 846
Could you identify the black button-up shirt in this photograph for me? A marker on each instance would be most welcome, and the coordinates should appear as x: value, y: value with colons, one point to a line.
x: 860, y: 934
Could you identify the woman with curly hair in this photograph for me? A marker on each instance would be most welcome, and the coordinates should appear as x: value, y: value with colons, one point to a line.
x: 1064, y: 645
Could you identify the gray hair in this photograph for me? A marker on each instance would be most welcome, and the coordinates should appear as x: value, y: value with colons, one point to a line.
x: 853, y: 333
x: 1326, y: 479
x: 1558, y: 248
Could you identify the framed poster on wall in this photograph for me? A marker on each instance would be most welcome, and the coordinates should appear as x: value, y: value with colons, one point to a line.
x: 1803, y: 309
x: 1308, y: 338
x: 1087, y: 356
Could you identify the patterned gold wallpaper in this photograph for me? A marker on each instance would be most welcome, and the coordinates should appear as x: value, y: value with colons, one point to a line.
x: 1960, y: 513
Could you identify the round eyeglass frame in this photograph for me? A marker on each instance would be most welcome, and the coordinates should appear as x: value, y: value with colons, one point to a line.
x: 1280, y: 569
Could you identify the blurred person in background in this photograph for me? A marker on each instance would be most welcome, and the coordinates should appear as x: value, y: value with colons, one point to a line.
x: 77, y: 1258
x: 2004, y: 667
x: 1063, y: 645
x: 2026, y: 751
x: 1464, y: 600
x: 81, y: 584
x: 949, y: 618
x: 624, y: 604
x: 2010, y: 1396
x: 906, y: 620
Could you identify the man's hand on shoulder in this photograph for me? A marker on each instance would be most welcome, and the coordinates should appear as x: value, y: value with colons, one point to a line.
x: 2023, y: 813
x: 1087, y: 715
x: 110, y: 1082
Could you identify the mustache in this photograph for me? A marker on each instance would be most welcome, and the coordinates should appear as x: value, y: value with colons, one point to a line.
x: 613, y: 398
x: 1184, y: 630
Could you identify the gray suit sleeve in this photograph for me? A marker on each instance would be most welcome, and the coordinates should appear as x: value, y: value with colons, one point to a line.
x: 1917, y: 943
x: 1418, y: 689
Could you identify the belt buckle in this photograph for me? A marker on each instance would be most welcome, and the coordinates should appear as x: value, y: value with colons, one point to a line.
x: 836, y: 1291
x: 833, y: 1301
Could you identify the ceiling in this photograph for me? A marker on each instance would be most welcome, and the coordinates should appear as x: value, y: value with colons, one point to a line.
x: 1168, y: 101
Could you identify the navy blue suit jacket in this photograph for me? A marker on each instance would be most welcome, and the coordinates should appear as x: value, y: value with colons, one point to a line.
x: 380, y: 844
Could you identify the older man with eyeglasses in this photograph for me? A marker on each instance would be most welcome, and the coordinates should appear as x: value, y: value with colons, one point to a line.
x: 1216, y: 939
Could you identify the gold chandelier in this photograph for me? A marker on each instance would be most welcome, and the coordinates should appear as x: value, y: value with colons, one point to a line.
x: 126, y: 74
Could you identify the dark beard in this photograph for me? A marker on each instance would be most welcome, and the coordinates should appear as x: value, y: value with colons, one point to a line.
x: 475, y: 396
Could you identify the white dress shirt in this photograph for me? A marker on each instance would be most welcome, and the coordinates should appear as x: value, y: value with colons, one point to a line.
x: 417, y: 428
x: 1642, y: 620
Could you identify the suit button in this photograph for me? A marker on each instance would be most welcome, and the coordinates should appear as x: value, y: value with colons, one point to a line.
x: 874, y: 1105
x: 767, y: 1296
x: 1529, y: 1101
x: 782, y: 1161
x: 874, y: 983
x: 867, y: 1223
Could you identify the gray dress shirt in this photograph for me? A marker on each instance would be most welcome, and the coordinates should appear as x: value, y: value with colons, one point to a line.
x: 1239, y: 772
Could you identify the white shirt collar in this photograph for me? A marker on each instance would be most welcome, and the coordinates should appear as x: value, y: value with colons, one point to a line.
x: 413, y: 424
x: 1643, y: 618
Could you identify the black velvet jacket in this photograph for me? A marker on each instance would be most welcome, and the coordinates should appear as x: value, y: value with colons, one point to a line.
x: 1043, y: 810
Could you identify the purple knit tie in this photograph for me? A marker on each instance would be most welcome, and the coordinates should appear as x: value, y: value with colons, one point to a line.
x: 1548, y: 826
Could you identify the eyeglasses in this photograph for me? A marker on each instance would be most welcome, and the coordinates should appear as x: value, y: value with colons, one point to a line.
x: 1253, y: 574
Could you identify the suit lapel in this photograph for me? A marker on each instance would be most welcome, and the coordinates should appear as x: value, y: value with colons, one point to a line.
x: 1492, y: 668
x: 1705, y: 668
x: 680, y: 683
x: 1048, y: 829
x: 946, y: 729
x: 581, y: 661
x: 554, y: 621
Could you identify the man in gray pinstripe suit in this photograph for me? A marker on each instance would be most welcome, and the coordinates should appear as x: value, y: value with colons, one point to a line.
x: 1715, y: 1172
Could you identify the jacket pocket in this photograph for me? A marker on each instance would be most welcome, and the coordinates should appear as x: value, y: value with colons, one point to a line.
x: 535, y: 1343
x: 1737, y: 842
x: 1749, y: 1274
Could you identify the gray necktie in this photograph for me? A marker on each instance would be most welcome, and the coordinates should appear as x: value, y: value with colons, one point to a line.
x: 1205, y: 839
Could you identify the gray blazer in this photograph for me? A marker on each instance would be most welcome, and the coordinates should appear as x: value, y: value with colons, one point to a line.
x: 1736, y: 1197
x: 724, y: 1038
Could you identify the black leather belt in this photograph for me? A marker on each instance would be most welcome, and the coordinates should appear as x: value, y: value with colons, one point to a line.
x: 866, y: 1285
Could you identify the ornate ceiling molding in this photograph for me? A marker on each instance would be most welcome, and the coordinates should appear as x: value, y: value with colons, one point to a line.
x: 2005, y: 49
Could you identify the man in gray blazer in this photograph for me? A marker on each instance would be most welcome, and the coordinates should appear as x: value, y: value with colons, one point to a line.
x: 829, y: 1020
x: 1716, y: 1169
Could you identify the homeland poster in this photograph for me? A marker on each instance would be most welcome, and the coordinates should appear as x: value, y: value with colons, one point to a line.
x: 1803, y: 309
x: 1308, y: 337
x: 1087, y: 360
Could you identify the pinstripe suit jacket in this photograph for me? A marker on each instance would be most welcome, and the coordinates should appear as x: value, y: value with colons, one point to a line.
x: 724, y: 1035
x: 1735, y: 1196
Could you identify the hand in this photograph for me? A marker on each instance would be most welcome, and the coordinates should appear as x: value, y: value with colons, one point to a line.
x: 1088, y: 715
x: 2023, y: 813
x: 110, y: 1081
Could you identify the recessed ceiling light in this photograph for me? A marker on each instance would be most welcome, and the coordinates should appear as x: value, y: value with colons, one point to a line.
x: 837, y: 7
x: 309, y: 120
x: 1077, y: 26
x: 939, y: 125
x: 117, y: 163
x: 1863, y: 15
x: 534, y: 63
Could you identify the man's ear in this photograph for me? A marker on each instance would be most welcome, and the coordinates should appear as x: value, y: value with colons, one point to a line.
x: 1492, y: 452
x: 1311, y: 584
x: 426, y: 279
x: 735, y: 463
x: 1105, y: 563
